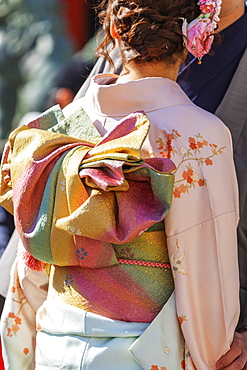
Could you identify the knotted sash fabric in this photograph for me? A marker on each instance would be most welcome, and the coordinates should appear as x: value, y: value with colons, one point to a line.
x: 80, y: 193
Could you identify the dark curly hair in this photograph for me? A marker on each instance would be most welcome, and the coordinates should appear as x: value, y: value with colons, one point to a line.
x: 150, y: 30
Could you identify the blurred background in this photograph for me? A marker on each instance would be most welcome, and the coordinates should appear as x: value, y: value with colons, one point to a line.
x: 46, y: 53
x: 37, y: 41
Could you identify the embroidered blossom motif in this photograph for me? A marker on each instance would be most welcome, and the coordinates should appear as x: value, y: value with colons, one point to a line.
x: 190, y: 179
x: 13, y: 289
x: 208, y: 162
x: 165, y: 145
x: 126, y: 253
x: 63, y: 186
x: 13, y: 323
x: 69, y: 280
x: 166, y: 350
x: 193, y: 152
x: 42, y: 313
x: 42, y: 221
x: 197, y: 143
x: 182, y: 364
x: 81, y: 253
x: 14, y: 320
x: 26, y: 351
x: 73, y: 230
x: 181, y: 319
x: 155, y: 367
x: 176, y: 261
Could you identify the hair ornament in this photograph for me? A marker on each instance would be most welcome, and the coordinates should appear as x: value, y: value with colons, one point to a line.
x: 199, y: 33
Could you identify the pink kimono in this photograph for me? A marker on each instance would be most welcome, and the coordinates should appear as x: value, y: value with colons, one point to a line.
x: 196, y: 324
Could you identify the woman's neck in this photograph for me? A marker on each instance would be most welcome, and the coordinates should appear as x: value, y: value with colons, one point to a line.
x: 134, y: 71
x: 231, y: 11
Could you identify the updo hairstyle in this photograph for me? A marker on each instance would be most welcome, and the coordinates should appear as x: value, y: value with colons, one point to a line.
x: 150, y: 30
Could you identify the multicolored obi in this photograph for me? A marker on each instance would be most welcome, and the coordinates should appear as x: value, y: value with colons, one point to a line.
x: 82, y: 202
x: 134, y: 290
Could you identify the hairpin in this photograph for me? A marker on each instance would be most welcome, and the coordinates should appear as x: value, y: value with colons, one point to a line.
x: 199, y: 33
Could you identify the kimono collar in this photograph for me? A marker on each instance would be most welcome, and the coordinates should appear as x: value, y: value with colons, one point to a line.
x: 148, y: 94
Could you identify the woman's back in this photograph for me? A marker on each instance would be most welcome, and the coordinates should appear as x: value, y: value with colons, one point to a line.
x: 204, y: 195
x: 94, y: 205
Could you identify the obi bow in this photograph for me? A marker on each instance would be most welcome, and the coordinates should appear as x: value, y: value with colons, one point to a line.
x: 74, y: 193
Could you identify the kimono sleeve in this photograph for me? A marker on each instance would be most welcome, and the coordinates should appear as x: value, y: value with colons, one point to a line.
x: 202, y: 244
x: 27, y: 291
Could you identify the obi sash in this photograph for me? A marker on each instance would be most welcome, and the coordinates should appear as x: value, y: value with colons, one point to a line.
x: 74, y: 193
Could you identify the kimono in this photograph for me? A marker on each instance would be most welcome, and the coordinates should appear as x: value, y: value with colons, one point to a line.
x: 103, y: 310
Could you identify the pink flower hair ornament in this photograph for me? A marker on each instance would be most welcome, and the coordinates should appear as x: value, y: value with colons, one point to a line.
x: 199, y: 34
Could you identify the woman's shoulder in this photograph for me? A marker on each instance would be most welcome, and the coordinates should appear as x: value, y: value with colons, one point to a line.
x: 210, y: 121
x: 201, y: 119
